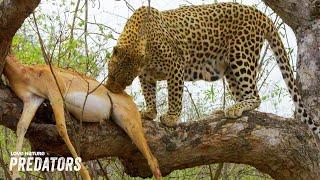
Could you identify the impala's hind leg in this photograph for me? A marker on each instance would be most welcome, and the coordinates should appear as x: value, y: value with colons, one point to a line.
x: 56, y: 102
x: 128, y: 118
x: 30, y: 106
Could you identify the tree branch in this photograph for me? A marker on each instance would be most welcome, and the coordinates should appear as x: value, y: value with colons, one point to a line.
x: 262, y: 140
x: 295, y: 13
x: 12, y: 15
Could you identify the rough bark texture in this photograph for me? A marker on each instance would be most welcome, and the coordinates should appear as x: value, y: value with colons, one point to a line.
x: 281, y: 147
x: 12, y: 15
x: 308, y: 66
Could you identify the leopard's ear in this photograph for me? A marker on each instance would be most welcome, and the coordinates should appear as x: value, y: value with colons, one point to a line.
x: 119, y: 49
x: 115, y: 50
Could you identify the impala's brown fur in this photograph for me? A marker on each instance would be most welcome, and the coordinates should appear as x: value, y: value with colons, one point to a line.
x: 36, y: 83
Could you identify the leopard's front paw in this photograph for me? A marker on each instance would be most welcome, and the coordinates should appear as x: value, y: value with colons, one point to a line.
x: 233, y: 112
x: 169, y: 120
x: 148, y: 114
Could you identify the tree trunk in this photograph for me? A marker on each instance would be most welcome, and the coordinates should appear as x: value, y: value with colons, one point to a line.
x: 308, y: 66
x: 282, y: 147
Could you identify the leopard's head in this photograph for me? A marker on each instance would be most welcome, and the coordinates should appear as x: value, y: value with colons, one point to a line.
x: 124, y: 66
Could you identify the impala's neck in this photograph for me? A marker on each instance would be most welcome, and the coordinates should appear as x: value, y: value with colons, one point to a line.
x: 13, y: 68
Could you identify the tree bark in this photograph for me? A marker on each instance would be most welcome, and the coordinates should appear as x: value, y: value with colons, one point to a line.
x: 308, y: 66
x: 12, y: 15
x: 283, y: 148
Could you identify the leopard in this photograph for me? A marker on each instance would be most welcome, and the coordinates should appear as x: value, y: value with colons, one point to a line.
x: 199, y: 42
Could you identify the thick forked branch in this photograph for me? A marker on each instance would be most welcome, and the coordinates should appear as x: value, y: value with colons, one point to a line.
x: 12, y: 15
x: 281, y: 147
x: 296, y: 13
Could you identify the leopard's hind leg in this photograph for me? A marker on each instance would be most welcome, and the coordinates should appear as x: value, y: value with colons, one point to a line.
x: 241, y: 78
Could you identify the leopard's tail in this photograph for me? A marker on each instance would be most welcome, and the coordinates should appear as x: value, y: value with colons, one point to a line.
x: 279, y: 51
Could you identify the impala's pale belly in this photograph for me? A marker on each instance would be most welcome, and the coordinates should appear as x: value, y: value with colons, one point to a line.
x: 97, y: 108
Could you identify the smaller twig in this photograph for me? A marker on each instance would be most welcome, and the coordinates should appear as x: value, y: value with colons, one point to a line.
x: 45, y: 55
x: 105, y: 174
x: 269, y: 72
x: 224, y: 94
x: 86, y: 48
x: 190, y: 3
x: 63, y: 173
x: 3, y: 165
x: 99, y: 24
x: 218, y: 171
x: 72, y: 26
x: 129, y: 6
x: 211, y: 172
x: 194, y: 104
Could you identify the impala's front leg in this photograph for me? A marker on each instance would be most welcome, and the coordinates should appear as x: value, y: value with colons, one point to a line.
x: 175, y: 92
x: 30, y: 106
x: 149, y: 93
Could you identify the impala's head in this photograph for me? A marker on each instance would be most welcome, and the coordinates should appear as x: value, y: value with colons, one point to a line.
x: 125, y: 65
